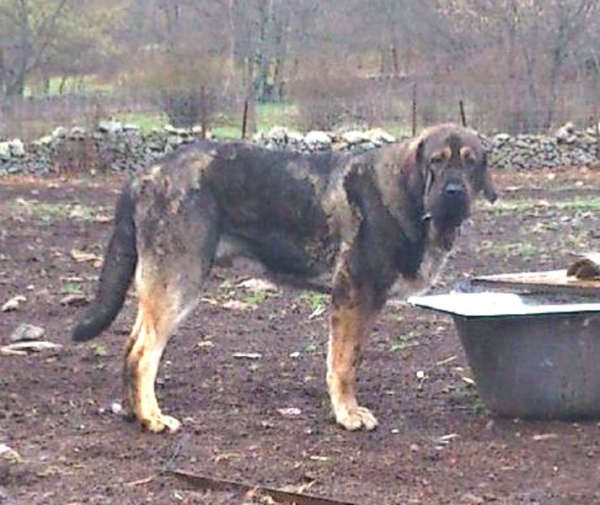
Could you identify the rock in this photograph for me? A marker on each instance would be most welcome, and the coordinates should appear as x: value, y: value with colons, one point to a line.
x: 44, y: 141
x: 5, y: 151
x: 110, y: 126
x: 77, y: 133
x: 174, y: 140
x: 258, y: 285
x: 278, y: 134
x: 378, y: 135
x: 127, y: 148
x: 354, y: 137
x: 17, y: 148
x: 318, y: 140
x: 181, y: 132
x: 13, y: 304
x: 27, y: 332
x: 565, y: 132
x: 60, y: 132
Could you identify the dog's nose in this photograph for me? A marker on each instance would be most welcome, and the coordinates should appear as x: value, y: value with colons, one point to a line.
x: 454, y: 189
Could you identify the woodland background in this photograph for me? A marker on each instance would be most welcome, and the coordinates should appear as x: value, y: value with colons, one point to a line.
x: 516, y: 65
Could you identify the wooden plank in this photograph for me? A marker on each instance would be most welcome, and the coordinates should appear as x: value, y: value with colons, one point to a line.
x: 553, y: 281
x: 207, y: 483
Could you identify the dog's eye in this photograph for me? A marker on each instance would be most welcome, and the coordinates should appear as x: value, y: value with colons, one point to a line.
x: 436, y: 160
x: 468, y: 157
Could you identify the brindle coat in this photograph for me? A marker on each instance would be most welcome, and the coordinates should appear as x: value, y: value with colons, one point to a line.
x: 369, y: 218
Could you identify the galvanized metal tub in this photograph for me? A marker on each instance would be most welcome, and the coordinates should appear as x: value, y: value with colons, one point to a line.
x: 533, y: 356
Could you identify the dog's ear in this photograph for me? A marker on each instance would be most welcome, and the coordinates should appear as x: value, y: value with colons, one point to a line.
x: 420, y: 154
x: 485, y: 181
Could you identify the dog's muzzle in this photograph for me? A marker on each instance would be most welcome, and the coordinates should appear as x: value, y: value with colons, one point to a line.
x: 454, y: 189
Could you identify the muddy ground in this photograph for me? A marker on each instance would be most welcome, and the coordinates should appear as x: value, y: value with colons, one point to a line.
x: 262, y: 417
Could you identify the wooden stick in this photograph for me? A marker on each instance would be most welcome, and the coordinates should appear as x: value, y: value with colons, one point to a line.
x: 206, y: 483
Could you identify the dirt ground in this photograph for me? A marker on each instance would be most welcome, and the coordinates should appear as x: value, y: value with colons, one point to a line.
x: 246, y: 374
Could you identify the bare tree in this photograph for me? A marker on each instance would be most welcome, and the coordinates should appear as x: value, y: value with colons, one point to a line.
x: 26, y: 39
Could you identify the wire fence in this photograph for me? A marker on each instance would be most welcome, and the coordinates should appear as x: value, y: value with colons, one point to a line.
x: 402, y: 103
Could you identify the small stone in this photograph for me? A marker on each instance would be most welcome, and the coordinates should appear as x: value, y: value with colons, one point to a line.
x: 27, y: 332
x: 289, y: 412
x: 13, y: 304
x: 5, y: 151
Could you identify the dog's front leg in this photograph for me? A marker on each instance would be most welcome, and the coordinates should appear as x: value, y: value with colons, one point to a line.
x: 352, y: 317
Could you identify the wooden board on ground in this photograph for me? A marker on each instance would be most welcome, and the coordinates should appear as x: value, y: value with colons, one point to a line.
x: 554, y: 281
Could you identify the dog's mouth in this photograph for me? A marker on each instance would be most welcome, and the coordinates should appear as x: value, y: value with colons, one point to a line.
x: 444, y: 217
x: 449, y: 210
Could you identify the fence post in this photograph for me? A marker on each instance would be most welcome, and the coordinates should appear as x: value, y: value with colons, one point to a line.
x: 463, y: 116
x: 203, y: 113
x: 414, y: 109
x: 245, y: 119
x: 594, y: 118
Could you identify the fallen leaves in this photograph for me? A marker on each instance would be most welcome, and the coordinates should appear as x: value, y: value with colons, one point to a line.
x: 14, y: 303
x: 24, y: 348
x: 74, y: 300
x: 85, y: 257
x: 247, y: 355
x: 8, y: 453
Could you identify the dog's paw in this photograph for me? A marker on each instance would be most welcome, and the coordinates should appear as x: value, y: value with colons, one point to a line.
x: 356, y: 419
x: 161, y: 423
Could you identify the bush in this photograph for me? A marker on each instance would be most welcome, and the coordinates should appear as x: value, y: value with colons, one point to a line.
x: 187, y: 86
x: 328, y: 96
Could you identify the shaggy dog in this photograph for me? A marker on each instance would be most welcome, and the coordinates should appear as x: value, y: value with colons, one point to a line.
x: 367, y: 218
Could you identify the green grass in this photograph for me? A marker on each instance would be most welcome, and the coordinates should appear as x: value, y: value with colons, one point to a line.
x: 259, y: 297
x: 405, y: 341
x: 590, y: 204
x: 146, y: 122
x: 70, y: 288
x: 578, y: 204
x: 267, y: 116
x: 50, y: 212
x: 316, y: 301
x: 271, y: 114
x: 81, y: 84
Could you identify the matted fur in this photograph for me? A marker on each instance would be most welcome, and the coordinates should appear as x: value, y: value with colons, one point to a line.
x: 366, y: 219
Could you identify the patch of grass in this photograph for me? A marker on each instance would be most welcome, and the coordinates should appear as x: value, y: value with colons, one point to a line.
x: 227, y: 131
x: 316, y: 301
x: 479, y: 407
x: 578, y: 204
x: 259, y: 297
x: 522, y: 249
x: 310, y: 348
x: 71, y: 288
x: 146, y: 122
x: 224, y: 127
x: 405, y: 341
x: 272, y: 114
x: 50, y: 212
x: 100, y: 350
x: 47, y: 213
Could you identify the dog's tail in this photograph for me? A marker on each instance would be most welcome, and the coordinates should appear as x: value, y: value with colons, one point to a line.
x: 117, y: 273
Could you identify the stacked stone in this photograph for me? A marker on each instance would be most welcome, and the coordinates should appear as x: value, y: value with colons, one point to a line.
x: 114, y: 146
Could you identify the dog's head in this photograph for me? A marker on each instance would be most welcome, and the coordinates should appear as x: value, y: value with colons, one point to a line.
x: 453, y: 164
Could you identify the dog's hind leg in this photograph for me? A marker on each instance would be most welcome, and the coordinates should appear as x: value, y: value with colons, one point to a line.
x: 175, y: 255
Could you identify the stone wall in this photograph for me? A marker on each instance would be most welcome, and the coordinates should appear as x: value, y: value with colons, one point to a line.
x: 567, y: 147
x: 117, y: 147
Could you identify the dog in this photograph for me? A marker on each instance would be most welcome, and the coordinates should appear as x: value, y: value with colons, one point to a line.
x: 367, y: 220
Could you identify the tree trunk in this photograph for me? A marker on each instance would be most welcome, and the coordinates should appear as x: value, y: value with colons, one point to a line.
x: 262, y: 57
